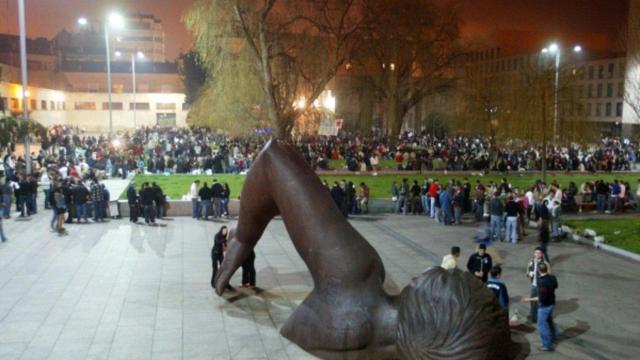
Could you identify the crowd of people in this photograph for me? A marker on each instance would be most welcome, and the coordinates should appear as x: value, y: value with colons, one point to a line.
x: 200, y: 151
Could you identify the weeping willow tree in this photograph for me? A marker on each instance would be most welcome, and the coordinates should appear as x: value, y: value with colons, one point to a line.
x: 269, y: 59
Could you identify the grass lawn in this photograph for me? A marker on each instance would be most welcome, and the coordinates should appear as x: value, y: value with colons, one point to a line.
x: 178, y: 185
x: 621, y: 233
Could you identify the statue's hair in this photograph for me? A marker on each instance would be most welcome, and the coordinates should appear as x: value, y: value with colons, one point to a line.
x: 451, y: 314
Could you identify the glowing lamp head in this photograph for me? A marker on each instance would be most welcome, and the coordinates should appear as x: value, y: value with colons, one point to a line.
x: 577, y: 48
x: 83, y: 21
x: 116, y: 21
x: 553, y: 47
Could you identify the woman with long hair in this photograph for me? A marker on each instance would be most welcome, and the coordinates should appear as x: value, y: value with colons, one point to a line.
x: 217, y: 251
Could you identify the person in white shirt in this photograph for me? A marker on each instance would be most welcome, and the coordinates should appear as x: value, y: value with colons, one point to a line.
x: 195, y: 199
x: 451, y: 261
x: 45, y: 184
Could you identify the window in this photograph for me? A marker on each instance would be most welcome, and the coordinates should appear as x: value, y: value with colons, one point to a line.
x: 590, y: 72
x: 14, y: 104
x: 581, y: 91
x: 64, y: 105
x: 33, y: 104
x: 618, y: 109
x: 118, y: 88
x: 609, y: 90
x: 139, y: 106
x: 608, y: 109
x: 114, y: 106
x: 581, y: 73
x: 610, y: 70
x: 588, y: 109
x: 84, y: 105
x: 43, y: 105
x: 590, y: 91
x: 600, y: 71
x: 599, y: 109
x: 599, y: 90
x: 165, y: 106
x: 52, y: 105
x: 620, y: 92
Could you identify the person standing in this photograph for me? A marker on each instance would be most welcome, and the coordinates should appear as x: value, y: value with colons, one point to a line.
x: 363, y: 197
x: 434, y: 189
x: 61, y: 209
x: 45, y: 183
x: 146, y: 200
x: 555, y: 220
x: 450, y: 261
x: 159, y: 200
x: 403, y: 193
x: 205, y: 195
x: 496, y: 210
x: 132, y: 200
x: 512, y: 210
x: 498, y: 287
x: 249, y: 271
x: 80, y: 196
x: 226, y: 196
x: 195, y: 200
x: 480, y: 263
x: 6, y: 190
x: 96, y: 199
x: 415, y: 198
x: 217, y: 251
x: 217, y: 193
x: 533, y: 275
x: 546, y: 299
x: 544, y: 238
x: 424, y: 196
x: 445, y: 206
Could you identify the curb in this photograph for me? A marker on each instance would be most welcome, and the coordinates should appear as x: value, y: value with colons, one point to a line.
x: 604, y: 247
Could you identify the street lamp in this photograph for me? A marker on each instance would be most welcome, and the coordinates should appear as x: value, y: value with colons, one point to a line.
x: 23, y: 71
x: 554, y: 48
x: 115, y: 21
x: 139, y: 55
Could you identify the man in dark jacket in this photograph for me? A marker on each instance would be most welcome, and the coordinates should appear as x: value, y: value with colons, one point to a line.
x: 205, y: 194
x: 146, y: 200
x: 480, y: 263
x: 132, y: 199
x: 80, y: 197
x: 217, y: 193
x: 498, y: 287
x: 158, y: 199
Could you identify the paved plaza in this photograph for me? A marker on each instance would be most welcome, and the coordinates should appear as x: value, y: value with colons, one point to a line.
x: 122, y: 291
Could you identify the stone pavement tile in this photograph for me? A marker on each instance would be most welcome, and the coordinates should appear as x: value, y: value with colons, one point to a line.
x: 70, y: 349
x: 99, y: 351
x: 167, y: 340
x: 12, y: 350
x: 17, y: 331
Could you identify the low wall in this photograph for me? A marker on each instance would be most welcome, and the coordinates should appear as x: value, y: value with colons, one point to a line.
x: 183, y: 208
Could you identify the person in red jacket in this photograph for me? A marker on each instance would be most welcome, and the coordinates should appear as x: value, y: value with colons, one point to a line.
x: 434, y: 189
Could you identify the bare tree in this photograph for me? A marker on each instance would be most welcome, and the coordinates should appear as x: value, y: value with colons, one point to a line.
x: 408, y: 53
x: 295, y: 47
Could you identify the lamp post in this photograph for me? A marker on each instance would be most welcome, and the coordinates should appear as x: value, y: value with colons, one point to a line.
x: 116, y: 21
x: 23, y: 71
x: 553, y: 48
x: 140, y: 56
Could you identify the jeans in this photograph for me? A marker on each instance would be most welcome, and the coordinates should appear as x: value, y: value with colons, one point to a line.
x: 546, y: 326
x: 600, y: 202
x: 217, y: 207
x: 225, y: 206
x: 478, y: 209
x: 217, y: 259
x: 149, y: 214
x: 81, y: 212
x: 6, y: 200
x: 205, y: 207
x: 33, y: 203
x: 23, y: 205
x: 555, y: 228
x: 496, y: 227
x: 425, y: 204
x: 195, y: 208
x: 97, y: 211
x: 457, y: 214
x: 47, y: 192
x: 402, y: 204
x: 544, y: 246
x: 512, y: 229
x: 54, y: 215
x: 2, y: 237
x: 433, y: 207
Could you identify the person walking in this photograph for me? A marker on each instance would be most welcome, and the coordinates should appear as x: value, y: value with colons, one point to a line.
x: 533, y: 275
x: 46, y: 183
x: 217, y: 251
x: 61, y: 209
x: 546, y: 299
x: 480, y: 263
x: 249, y: 271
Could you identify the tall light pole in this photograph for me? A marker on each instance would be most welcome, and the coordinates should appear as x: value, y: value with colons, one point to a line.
x: 23, y: 71
x: 140, y: 56
x: 116, y: 21
x: 553, y: 48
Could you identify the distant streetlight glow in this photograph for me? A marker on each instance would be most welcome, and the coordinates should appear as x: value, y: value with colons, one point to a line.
x: 140, y: 55
x: 577, y: 48
x: 117, y: 54
x: 553, y: 47
x: 116, y: 21
x: 545, y: 50
x: 83, y: 21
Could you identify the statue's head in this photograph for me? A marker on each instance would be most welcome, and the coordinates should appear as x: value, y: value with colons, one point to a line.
x: 451, y: 314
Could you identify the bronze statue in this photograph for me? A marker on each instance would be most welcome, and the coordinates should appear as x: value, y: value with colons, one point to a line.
x: 441, y: 314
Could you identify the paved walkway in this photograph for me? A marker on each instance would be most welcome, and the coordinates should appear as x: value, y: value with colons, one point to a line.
x: 121, y: 291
